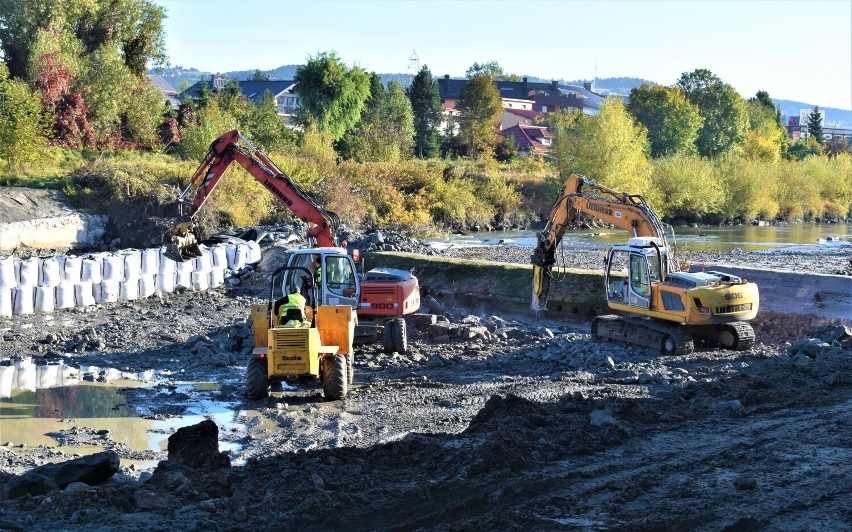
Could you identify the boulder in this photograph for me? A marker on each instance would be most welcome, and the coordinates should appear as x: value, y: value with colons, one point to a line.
x: 420, y: 319
x: 197, y: 446
x: 30, y: 483
x: 91, y: 469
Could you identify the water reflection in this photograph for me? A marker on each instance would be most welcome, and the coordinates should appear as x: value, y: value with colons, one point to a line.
x: 26, y: 375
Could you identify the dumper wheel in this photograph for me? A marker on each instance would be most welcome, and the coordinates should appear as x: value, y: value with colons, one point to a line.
x: 387, y: 336
x: 400, y: 336
x: 350, y: 367
x: 257, y: 382
x: 334, y: 380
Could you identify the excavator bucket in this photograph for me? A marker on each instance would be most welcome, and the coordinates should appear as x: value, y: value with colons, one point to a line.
x: 182, y: 244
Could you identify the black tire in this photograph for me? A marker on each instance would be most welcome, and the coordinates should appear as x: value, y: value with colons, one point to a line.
x: 728, y: 338
x: 350, y: 367
x: 257, y: 381
x: 334, y: 379
x: 668, y: 345
x: 400, y: 336
x: 387, y: 336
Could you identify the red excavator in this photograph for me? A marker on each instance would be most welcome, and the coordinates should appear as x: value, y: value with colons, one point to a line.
x: 380, y: 296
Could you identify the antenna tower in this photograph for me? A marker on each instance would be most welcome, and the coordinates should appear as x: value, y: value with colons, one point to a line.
x: 413, y: 66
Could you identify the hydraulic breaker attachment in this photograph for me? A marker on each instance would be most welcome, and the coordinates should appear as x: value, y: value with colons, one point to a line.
x: 183, y: 245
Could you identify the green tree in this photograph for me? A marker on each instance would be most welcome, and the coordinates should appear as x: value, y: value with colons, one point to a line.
x: 386, y: 129
x: 480, y: 107
x: 134, y: 27
x: 331, y: 95
x: 257, y: 75
x: 815, y: 125
x: 493, y: 70
x: 260, y: 123
x: 766, y: 138
x: 210, y: 122
x: 22, y: 125
x: 671, y: 120
x: 609, y: 147
x: 426, y: 106
x: 399, y: 120
x: 722, y: 109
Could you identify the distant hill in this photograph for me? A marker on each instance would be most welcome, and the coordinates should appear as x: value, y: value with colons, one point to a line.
x: 620, y: 85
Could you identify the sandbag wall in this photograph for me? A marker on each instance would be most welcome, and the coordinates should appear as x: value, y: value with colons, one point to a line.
x: 43, y: 284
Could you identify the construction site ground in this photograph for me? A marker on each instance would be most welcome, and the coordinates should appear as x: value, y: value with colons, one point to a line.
x: 496, y: 421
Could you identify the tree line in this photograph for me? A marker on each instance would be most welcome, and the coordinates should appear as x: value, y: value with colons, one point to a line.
x: 73, y: 77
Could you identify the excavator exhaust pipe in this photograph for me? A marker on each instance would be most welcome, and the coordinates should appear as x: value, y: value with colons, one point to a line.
x: 183, y: 245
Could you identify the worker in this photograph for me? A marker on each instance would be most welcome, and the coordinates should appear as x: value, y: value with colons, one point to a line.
x: 318, y: 272
x: 293, y: 310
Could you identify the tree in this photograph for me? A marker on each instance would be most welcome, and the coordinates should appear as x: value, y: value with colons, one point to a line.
x: 722, y: 109
x: 608, y: 146
x: 22, y: 125
x: 672, y: 121
x: 331, y: 95
x: 480, y: 107
x: 386, y: 129
x: 815, y: 125
x: 426, y: 107
x: 134, y: 27
x: 766, y: 138
x: 493, y: 70
x: 257, y: 75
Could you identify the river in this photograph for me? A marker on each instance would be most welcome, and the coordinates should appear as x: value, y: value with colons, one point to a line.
x: 725, y: 238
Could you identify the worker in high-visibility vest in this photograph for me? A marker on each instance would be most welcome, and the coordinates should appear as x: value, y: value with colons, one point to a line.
x: 293, y: 310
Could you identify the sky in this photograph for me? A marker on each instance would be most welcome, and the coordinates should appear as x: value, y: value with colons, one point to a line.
x: 794, y: 50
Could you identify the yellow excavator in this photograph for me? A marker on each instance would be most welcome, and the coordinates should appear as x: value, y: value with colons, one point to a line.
x: 667, y: 309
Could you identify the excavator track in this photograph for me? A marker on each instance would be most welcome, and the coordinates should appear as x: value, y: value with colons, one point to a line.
x: 736, y: 335
x: 671, y: 340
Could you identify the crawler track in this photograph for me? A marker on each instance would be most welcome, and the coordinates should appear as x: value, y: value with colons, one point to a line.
x: 670, y: 339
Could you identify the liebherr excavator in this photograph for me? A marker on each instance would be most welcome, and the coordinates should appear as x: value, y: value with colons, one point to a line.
x: 667, y: 309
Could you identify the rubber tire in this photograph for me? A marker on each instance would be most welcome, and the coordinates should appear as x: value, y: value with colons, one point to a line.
x: 668, y: 346
x: 400, y: 336
x: 350, y: 367
x: 257, y: 381
x: 334, y: 380
x: 387, y: 336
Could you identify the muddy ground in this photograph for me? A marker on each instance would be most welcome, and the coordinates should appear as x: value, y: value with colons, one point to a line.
x: 489, y: 421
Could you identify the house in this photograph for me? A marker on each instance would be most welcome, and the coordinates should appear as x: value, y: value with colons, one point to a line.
x: 284, y: 93
x: 517, y: 111
x: 168, y: 91
x: 529, y: 139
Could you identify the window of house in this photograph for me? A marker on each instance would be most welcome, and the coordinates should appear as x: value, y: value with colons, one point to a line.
x: 545, y: 141
x: 544, y: 109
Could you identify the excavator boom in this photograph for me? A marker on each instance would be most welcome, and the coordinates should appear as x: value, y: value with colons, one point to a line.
x: 225, y: 151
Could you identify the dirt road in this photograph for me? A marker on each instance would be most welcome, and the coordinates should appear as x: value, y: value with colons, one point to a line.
x: 528, y: 425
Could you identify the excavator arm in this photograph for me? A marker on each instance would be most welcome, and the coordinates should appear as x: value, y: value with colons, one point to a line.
x: 223, y: 152
x: 583, y: 195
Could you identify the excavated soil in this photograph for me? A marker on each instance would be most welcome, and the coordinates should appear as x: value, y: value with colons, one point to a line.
x: 490, y: 421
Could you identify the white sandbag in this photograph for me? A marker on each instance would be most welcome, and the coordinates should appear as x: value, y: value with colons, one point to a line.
x: 23, y: 300
x: 108, y: 292
x: 113, y: 271
x: 132, y: 266
x: 254, y: 255
x: 92, y: 271
x: 147, y: 286
x: 150, y: 261
x: 187, y: 266
x: 73, y: 269
x: 45, y: 298
x: 183, y: 279
x: 129, y: 290
x: 167, y: 265
x: 217, y: 277
x: 83, y: 293
x: 8, y: 277
x: 165, y: 283
x: 200, y: 280
x: 65, y: 296
x: 6, y: 308
x: 28, y: 272
x: 237, y: 255
x: 203, y: 263
x: 219, y: 255
x: 50, y: 273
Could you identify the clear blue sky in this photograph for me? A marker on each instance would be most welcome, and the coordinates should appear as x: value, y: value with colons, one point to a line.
x: 795, y: 50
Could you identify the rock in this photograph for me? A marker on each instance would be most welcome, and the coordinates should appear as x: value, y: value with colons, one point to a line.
x: 745, y: 483
x: 545, y: 332
x: 197, y: 446
x: 733, y: 407
x: 423, y: 319
x: 194, y: 339
x: 600, y: 418
x: 90, y: 469
x: 317, y: 480
x: 75, y: 486
x: 830, y: 333
x: 149, y: 500
x: 437, y: 330
x: 30, y: 483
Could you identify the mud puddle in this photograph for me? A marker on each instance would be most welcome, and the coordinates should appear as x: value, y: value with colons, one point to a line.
x: 84, y: 410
